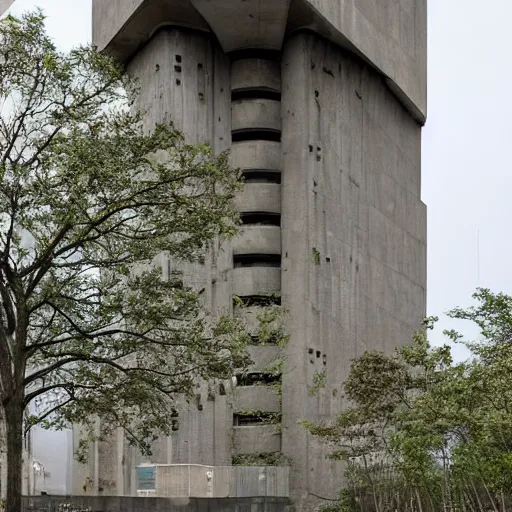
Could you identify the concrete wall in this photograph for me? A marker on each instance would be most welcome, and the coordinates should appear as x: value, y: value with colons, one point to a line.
x: 256, y: 439
x: 185, y: 79
x: 179, y: 85
x: 132, y: 504
x: 353, y: 235
x: 390, y: 35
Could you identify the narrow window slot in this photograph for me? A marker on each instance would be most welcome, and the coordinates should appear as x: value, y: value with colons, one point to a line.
x: 272, y: 340
x: 260, y: 300
x: 248, y: 134
x: 249, y: 420
x: 255, y: 53
x: 257, y: 379
x: 255, y: 93
x: 256, y: 260
x: 260, y: 219
x: 261, y: 176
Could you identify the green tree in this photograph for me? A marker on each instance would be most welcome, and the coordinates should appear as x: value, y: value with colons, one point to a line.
x: 426, y: 434
x: 88, y: 324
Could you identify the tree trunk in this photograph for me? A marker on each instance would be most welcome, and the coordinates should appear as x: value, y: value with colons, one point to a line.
x: 14, y: 420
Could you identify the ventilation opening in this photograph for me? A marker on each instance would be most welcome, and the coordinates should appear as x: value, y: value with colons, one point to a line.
x: 257, y: 379
x: 270, y: 340
x: 254, y: 418
x: 261, y: 218
x: 247, y: 134
x: 260, y: 300
x: 255, y: 93
x: 261, y: 176
x: 256, y: 260
x: 255, y: 53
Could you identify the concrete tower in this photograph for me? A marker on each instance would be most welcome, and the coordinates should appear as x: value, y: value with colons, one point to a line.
x: 321, y: 103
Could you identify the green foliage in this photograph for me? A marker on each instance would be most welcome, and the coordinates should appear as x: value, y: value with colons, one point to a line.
x: 261, y: 300
x: 319, y: 381
x: 260, y: 459
x: 316, y: 256
x: 265, y: 417
x: 271, y: 329
x: 90, y: 321
x: 425, y: 433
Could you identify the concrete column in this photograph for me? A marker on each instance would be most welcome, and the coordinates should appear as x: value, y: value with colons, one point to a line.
x: 353, y: 251
x: 185, y: 79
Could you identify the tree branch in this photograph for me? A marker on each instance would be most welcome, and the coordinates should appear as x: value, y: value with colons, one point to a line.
x: 48, y: 413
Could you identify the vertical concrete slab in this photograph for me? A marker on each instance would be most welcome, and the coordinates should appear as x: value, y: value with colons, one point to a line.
x: 351, y: 253
x: 185, y: 79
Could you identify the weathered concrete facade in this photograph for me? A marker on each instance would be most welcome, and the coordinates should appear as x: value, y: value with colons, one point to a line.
x: 321, y: 103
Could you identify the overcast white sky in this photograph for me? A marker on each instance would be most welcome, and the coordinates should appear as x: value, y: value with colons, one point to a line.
x: 467, y: 183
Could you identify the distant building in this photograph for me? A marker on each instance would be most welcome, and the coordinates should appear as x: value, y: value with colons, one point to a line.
x: 321, y: 103
x: 4, y: 5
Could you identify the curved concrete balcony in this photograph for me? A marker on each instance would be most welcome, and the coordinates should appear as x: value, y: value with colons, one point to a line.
x: 256, y: 114
x: 256, y: 398
x: 256, y: 154
x: 256, y: 439
x: 249, y: 281
x: 258, y: 240
x: 262, y: 355
x: 259, y: 197
x: 256, y: 73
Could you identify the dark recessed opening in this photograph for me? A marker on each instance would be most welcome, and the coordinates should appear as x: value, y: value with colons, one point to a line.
x: 260, y: 300
x: 255, y: 53
x: 261, y: 418
x: 255, y: 93
x: 261, y: 176
x: 261, y: 218
x: 318, y: 353
x: 257, y: 379
x: 256, y: 134
x: 270, y: 340
x: 256, y: 260
x: 310, y: 351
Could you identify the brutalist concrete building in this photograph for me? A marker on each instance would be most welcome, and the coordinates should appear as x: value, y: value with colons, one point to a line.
x: 321, y: 103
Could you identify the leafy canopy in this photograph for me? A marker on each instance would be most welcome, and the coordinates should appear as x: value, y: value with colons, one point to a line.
x: 426, y: 433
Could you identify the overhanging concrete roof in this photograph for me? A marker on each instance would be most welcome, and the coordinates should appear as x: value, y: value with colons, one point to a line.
x: 390, y: 35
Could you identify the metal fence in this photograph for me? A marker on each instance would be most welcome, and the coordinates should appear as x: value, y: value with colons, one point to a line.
x: 134, y: 504
x: 199, y: 481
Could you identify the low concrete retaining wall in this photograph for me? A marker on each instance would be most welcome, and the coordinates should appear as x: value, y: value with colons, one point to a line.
x: 132, y: 504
